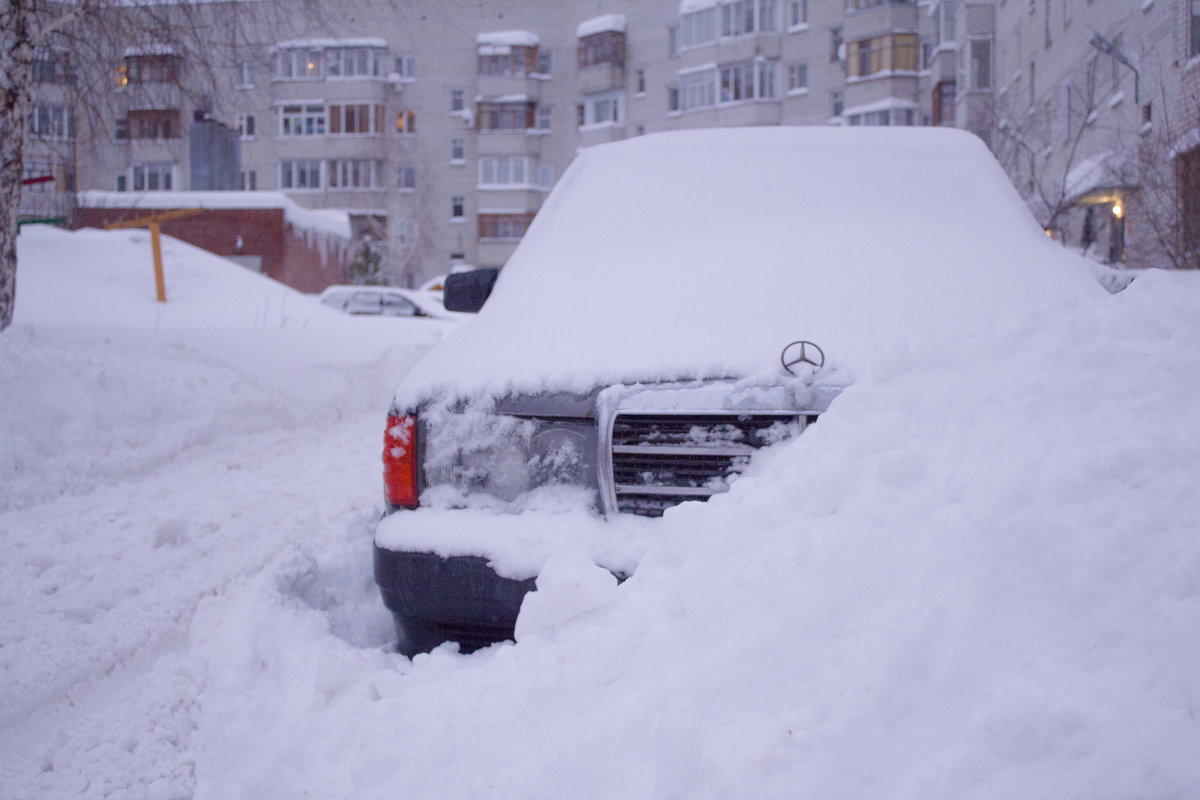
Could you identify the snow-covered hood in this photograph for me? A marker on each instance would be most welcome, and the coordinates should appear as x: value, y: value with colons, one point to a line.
x: 703, y: 253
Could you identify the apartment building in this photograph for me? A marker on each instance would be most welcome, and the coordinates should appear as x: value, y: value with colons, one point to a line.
x: 442, y: 128
x: 49, y: 165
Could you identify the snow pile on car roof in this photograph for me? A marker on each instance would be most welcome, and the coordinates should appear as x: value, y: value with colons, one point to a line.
x: 705, y: 252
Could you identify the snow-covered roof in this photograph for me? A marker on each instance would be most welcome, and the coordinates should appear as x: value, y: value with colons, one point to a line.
x: 1098, y: 171
x: 149, y: 50
x: 334, y: 222
x: 503, y: 98
x: 688, y: 6
x: 601, y: 24
x: 508, y: 39
x: 322, y: 43
x: 721, y: 246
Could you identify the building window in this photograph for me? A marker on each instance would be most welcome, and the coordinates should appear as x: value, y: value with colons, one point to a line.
x: 458, y: 148
x: 505, y: 60
x: 747, y: 80
x: 358, y: 119
x: 797, y: 77
x: 673, y: 40
x: 298, y: 64
x: 981, y: 63
x: 839, y: 103
x: 506, y: 172
x: 835, y: 44
x: 245, y: 74
x: 122, y: 185
x: 1193, y: 28
x: 53, y: 121
x: 895, y: 52
x: 51, y: 65
x: 543, y: 62
x: 698, y: 27
x: 406, y: 231
x: 157, y: 68
x: 504, y: 227
x: 353, y: 62
x: 153, y: 124
x: 1046, y: 7
x: 456, y: 100
x: 298, y: 175
x: 245, y: 126
x: 505, y: 116
x: 943, y: 103
x: 302, y: 120
x: 673, y: 98
x: 604, y: 107
x: 406, y: 67
x: 406, y: 122
x: 355, y: 173
x: 737, y: 17
x: 406, y: 178
x: 858, y: 5
x: 698, y: 89
x: 606, y: 48
x: 797, y: 13
x: 640, y: 81
x: 157, y: 177
x: 456, y: 207
x: 121, y: 129
x: 248, y: 180
x: 545, y: 118
x: 895, y: 116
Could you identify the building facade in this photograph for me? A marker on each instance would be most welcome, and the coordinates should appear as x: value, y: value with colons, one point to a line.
x: 442, y: 128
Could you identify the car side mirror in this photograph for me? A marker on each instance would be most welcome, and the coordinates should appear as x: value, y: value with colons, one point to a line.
x: 468, y: 291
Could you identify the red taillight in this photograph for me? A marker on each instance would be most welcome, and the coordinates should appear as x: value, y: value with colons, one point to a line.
x: 400, y: 460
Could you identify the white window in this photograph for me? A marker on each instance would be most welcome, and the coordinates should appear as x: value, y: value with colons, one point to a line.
x: 506, y: 171
x: 698, y: 89
x: 52, y: 121
x: 353, y: 62
x: 406, y: 231
x: 797, y: 13
x: 302, y: 120
x: 458, y: 149
x: 245, y: 74
x: 355, y: 173
x: 896, y: 116
x: 543, y: 64
x: 298, y: 64
x: 748, y: 80
x: 245, y: 126
x: 157, y: 177
x: 768, y: 15
x: 456, y: 100
x: 300, y: 174
x: 544, y: 118
x: 406, y: 66
x: 698, y: 27
x: 673, y: 40
x: 248, y: 180
x: 768, y: 79
x: 737, y: 17
x: 604, y: 107
x: 797, y: 77
x: 406, y: 178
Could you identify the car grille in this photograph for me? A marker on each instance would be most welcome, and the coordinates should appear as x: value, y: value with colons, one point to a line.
x: 660, y: 460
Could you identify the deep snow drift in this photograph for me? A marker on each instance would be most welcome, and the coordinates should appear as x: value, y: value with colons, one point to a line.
x: 978, y: 576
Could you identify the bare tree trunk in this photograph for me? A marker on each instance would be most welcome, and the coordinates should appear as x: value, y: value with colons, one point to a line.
x: 16, y: 60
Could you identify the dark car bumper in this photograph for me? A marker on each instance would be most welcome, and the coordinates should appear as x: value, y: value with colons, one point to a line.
x: 459, y: 599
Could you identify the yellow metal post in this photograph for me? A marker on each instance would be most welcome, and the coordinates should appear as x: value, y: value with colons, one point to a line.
x: 156, y: 247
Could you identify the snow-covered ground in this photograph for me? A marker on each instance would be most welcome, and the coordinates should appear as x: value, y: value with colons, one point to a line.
x: 978, y: 576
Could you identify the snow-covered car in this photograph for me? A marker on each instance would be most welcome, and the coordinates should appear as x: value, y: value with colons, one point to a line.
x: 680, y: 301
x: 385, y: 301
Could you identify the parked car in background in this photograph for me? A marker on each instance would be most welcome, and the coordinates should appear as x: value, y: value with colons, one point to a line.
x: 386, y: 301
x: 681, y: 301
